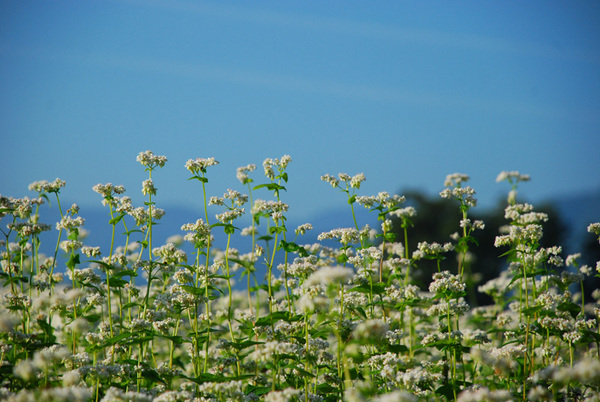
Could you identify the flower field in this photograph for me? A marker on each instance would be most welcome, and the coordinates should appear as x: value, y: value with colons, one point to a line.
x: 151, y: 322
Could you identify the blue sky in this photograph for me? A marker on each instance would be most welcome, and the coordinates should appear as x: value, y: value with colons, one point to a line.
x: 405, y: 92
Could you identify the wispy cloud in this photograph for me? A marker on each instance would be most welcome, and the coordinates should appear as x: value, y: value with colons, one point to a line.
x: 377, y: 31
x: 201, y: 72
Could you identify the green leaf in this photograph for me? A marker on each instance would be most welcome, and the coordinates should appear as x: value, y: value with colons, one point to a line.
x: 152, y: 375
x: 176, y: 339
x: 270, y: 186
x: 390, y: 237
x: 92, y: 317
x: 199, y: 178
x: 246, y: 264
x: 73, y: 261
x: 376, y: 288
x: 245, y: 344
x: 256, y: 390
x: 10, y: 280
x: 48, y: 330
x: 276, y: 229
x: 73, y: 234
x: 278, y: 315
x: 116, y: 282
x: 301, y: 371
x: 229, y: 229
x: 105, y: 265
x: 292, y: 248
x: 193, y: 290
x: 572, y: 308
x: 352, y: 200
x: 120, y: 274
x: 116, y: 219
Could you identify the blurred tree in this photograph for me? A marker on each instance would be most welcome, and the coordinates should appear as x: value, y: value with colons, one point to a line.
x: 590, y: 255
x: 437, y: 219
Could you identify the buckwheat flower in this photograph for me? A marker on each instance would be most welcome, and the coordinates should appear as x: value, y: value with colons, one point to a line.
x: 214, y: 200
x: 444, y: 282
x: 242, y: 173
x: 198, y: 165
x: 164, y: 325
x: 329, y: 275
x: 455, y: 179
x: 386, y: 225
x: 302, y: 229
x: 69, y: 223
x: 466, y: 195
x: 512, y: 177
x: 50, y: 356
x: 450, y: 307
x: 268, y: 167
x: 228, y: 216
x: 40, y: 186
x: 356, y: 180
x: 371, y: 329
x: 475, y: 225
x: 70, y: 245
x: 55, y: 186
x: 150, y: 160
x: 8, y: 322
x: 84, y: 275
x: 170, y: 254
x: 433, y: 249
x: 259, y: 250
x: 476, y: 336
x: 139, y: 324
x: 344, y: 235
x: 333, y: 181
x: 25, y: 370
x: 90, y: 251
x: 405, y: 213
x: 148, y: 187
x: 302, y: 267
x: 510, y: 351
x: 183, y: 276
x: 572, y: 260
x: 367, y: 201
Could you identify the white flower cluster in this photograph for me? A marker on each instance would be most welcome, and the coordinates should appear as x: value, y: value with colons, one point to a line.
x: 108, y: 190
x: 383, y: 199
x: 274, y: 209
x: 329, y: 275
x: 344, y: 235
x: 281, y: 164
x: 69, y: 223
x: 150, y: 160
x: 242, y: 173
x: 512, y: 177
x: 371, y: 329
x: 350, y: 181
x: 43, y: 186
x: 431, y: 249
x: 445, y: 282
x: 196, y: 232
x: 199, y: 165
x: 455, y: 179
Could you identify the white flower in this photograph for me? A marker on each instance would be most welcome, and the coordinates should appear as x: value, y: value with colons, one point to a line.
x: 150, y: 160
x: 329, y: 275
x: 198, y: 165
